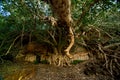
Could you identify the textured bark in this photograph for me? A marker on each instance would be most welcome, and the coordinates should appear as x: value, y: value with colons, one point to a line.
x: 61, y: 11
x: 61, y: 8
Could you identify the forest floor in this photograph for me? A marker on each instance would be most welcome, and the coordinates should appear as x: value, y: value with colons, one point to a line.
x: 28, y: 71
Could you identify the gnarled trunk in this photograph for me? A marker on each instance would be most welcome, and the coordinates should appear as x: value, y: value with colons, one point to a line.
x: 61, y: 9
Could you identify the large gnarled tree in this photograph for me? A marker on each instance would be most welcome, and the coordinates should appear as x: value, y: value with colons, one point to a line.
x: 34, y: 20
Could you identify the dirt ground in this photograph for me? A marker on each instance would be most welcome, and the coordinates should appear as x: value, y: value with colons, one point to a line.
x: 28, y: 71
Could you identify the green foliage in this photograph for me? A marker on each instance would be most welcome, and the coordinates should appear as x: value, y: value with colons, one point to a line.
x: 104, y: 13
x: 110, y: 22
x: 24, y: 18
x: 87, y: 11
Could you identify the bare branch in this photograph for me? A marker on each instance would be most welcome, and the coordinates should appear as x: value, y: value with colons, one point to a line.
x: 12, y: 45
x: 112, y: 45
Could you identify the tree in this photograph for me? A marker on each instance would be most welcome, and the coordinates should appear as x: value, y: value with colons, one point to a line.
x: 55, y: 24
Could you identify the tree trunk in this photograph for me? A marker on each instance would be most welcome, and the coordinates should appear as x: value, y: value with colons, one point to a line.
x: 61, y: 8
x: 61, y: 11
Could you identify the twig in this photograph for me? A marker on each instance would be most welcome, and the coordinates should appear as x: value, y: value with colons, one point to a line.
x: 98, y: 32
x: 117, y: 62
x: 105, y: 32
x: 111, y: 45
x: 106, y: 61
x: 85, y: 11
x: 12, y: 45
x: 113, y: 56
x: 22, y: 34
x: 100, y: 48
x: 53, y: 37
x: 111, y: 70
x: 2, y: 43
x: 1, y: 60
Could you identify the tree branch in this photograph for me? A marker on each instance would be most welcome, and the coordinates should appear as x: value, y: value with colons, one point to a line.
x: 85, y: 10
x: 112, y: 45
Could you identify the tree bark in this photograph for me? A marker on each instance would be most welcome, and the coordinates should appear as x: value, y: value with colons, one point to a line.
x: 61, y: 10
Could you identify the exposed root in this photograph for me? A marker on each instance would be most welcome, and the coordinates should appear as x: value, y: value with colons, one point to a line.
x: 105, y: 59
x: 57, y: 59
x: 71, y: 35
